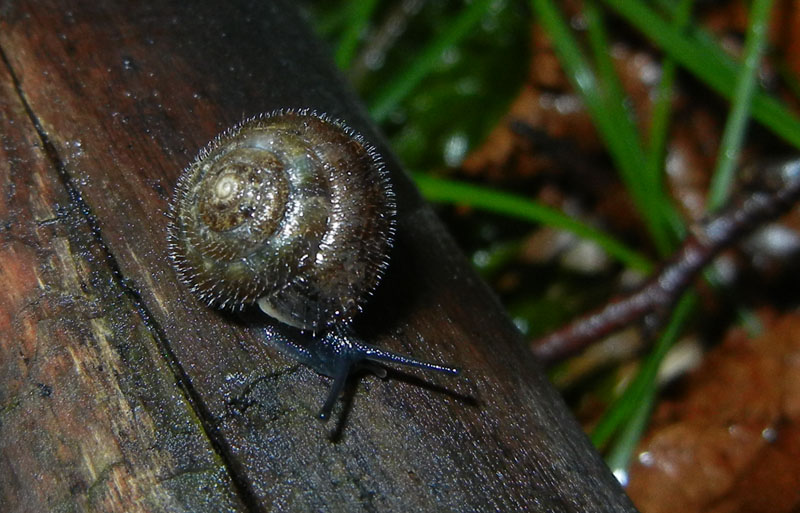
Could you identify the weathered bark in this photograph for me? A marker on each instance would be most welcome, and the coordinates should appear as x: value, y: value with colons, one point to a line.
x: 119, y: 392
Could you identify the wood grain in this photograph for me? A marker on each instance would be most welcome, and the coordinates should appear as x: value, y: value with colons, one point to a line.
x: 119, y: 392
x: 90, y: 416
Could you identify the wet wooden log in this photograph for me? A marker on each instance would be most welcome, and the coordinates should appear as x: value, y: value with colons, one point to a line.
x: 119, y: 392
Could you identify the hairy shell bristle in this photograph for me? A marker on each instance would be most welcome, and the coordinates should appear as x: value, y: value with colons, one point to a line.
x: 229, y: 247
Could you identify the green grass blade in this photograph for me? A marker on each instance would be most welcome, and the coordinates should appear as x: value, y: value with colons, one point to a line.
x: 618, y: 457
x: 708, y: 63
x: 644, y: 383
x: 407, y: 79
x: 450, y: 191
x: 659, y: 208
x: 359, y: 13
x: 608, y: 114
x: 733, y: 135
x: 631, y: 156
x: 629, y: 430
x: 660, y: 123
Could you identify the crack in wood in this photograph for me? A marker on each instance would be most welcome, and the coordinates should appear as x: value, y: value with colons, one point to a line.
x: 208, y: 423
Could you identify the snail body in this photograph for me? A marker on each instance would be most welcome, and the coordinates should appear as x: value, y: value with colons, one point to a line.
x: 294, y: 212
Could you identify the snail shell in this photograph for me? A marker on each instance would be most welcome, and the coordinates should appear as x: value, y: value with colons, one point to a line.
x: 291, y: 210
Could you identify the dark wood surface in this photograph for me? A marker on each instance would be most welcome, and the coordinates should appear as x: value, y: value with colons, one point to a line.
x: 119, y: 392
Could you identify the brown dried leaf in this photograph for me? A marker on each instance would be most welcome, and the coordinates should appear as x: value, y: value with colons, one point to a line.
x: 731, y: 441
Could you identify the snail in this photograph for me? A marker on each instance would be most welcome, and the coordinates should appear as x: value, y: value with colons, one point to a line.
x: 294, y: 212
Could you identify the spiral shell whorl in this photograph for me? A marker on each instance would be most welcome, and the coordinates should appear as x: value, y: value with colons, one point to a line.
x: 291, y: 209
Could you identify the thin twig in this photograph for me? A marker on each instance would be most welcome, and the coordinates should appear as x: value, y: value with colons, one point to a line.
x: 779, y: 190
